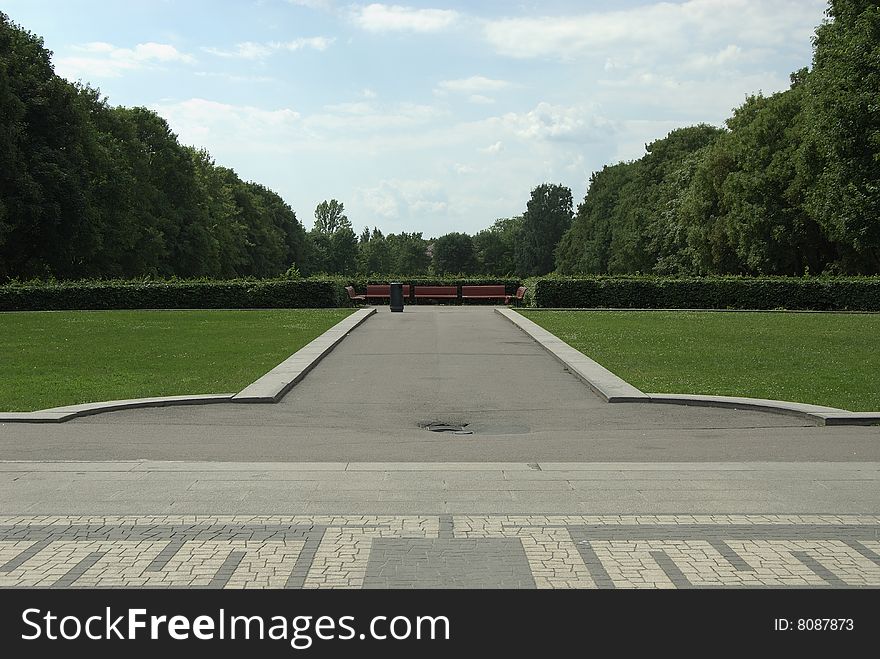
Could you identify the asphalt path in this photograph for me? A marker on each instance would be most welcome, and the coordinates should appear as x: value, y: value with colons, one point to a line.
x: 370, y: 399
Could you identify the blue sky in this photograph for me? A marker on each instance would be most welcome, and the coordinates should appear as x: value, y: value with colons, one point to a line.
x: 425, y: 116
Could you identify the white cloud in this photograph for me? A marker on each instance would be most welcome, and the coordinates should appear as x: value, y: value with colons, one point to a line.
x: 473, y: 85
x: 387, y: 18
x: 479, y: 99
x: 245, y: 50
x: 497, y: 147
x: 104, y: 60
x: 709, y: 99
x: 235, y: 78
x: 719, y: 60
x: 202, y: 122
x: 315, y: 43
x: 313, y: 4
x: 402, y: 198
x: 555, y: 122
x: 659, y: 27
x: 370, y: 117
x: 250, y: 50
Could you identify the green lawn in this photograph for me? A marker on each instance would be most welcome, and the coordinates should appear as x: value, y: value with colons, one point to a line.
x: 823, y: 359
x: 61, y: 358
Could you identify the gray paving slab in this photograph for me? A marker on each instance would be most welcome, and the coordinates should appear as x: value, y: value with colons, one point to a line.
x: 448, y: 563
x: 606, y: 488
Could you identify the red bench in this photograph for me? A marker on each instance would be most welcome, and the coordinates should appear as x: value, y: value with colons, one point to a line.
x: 484, y: 292
x: 383, y: 291
x: 439, y: 292
x: 353, y: 296
x: 518, y: 298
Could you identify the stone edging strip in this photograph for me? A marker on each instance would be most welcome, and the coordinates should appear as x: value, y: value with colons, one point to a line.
x: 269, y: 388
x: 613, y: 389
x: 603, y: 382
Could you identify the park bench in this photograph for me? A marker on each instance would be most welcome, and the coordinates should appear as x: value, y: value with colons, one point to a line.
x: 437, y: 292
x: 383, y: 291
x: 354, y: 297
x: 518, y: 297
x: 484, y: 293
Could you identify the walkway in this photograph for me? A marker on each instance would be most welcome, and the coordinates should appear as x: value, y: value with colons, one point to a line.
x: 340, y: 484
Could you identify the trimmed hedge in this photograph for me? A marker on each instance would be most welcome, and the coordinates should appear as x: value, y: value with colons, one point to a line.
x: 805, y: 293
x: 172, y: 294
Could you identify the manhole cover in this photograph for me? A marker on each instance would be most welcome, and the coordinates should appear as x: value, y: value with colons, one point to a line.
x: 452, y: 428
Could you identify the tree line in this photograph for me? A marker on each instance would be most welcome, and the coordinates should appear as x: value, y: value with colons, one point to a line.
x: 89, y: 190
x: 789, y: 186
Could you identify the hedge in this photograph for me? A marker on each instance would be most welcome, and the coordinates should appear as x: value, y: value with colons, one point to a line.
x: 171, y: 294
x: 804, y: 293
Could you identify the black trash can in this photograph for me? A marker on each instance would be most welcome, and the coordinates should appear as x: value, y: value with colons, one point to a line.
x: 396, y: 296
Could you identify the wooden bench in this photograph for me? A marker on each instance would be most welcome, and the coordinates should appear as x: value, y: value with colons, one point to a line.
x: 484, y: 293
x: 354, y: 296
x: 437, y: 292
x: 381, y: 291
x: 518, y: 297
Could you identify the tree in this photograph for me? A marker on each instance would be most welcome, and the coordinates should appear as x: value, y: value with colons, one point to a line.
x: 374, y: 253
x: 495, y: 247
x: 330, y: 217
x: 454, y: 254
x: 547, y: 218
x: 343, y: 251
x: 844, y: 124
x: 408, y: 253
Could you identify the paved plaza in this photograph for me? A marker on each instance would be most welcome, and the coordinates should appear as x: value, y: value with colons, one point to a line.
x: 341, y: 484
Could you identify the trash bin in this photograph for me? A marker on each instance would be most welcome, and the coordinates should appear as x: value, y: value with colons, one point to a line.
x: 396, y: 296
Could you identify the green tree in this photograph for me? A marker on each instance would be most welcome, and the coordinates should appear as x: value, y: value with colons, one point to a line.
x: 585, y: 248
x: 495, y: 247
x: 628, y: 222
x: 547, y: 217
x: 374, y: 253
x: 454, y: 254
x: 343, y: 251
x: 844, y: 123
x: 330, y: 217
x: 408, y: 254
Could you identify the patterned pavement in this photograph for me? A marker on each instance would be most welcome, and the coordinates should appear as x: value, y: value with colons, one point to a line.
x: 441, y: 551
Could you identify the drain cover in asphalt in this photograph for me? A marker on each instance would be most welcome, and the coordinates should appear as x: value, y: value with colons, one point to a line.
x: 454, y: 428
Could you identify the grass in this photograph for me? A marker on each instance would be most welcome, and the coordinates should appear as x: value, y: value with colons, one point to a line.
x: 822, y: 359
x: 49, y: 359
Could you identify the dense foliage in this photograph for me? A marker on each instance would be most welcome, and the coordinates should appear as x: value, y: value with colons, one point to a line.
x: 791, y: 187
x: 90, y: 190
x: 646, y: 292
x: 171, y: 294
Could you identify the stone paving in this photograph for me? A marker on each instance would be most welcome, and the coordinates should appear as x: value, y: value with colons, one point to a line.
x: 554, y: 489
x: 441, y: 551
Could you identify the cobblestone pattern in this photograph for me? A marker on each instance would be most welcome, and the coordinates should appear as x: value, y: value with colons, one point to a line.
x: 486, y: 551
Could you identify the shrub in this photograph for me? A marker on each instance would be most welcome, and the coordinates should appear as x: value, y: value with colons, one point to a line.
x: 170, y: 294
x: 806, y: 293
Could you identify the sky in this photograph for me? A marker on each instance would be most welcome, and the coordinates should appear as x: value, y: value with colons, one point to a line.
x: 425, y: 116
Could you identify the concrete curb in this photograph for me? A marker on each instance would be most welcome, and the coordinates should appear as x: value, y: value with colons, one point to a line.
x: 603, y: 382
x: 269, y: 388
x: 613, y: 389
x: 59, y: 414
